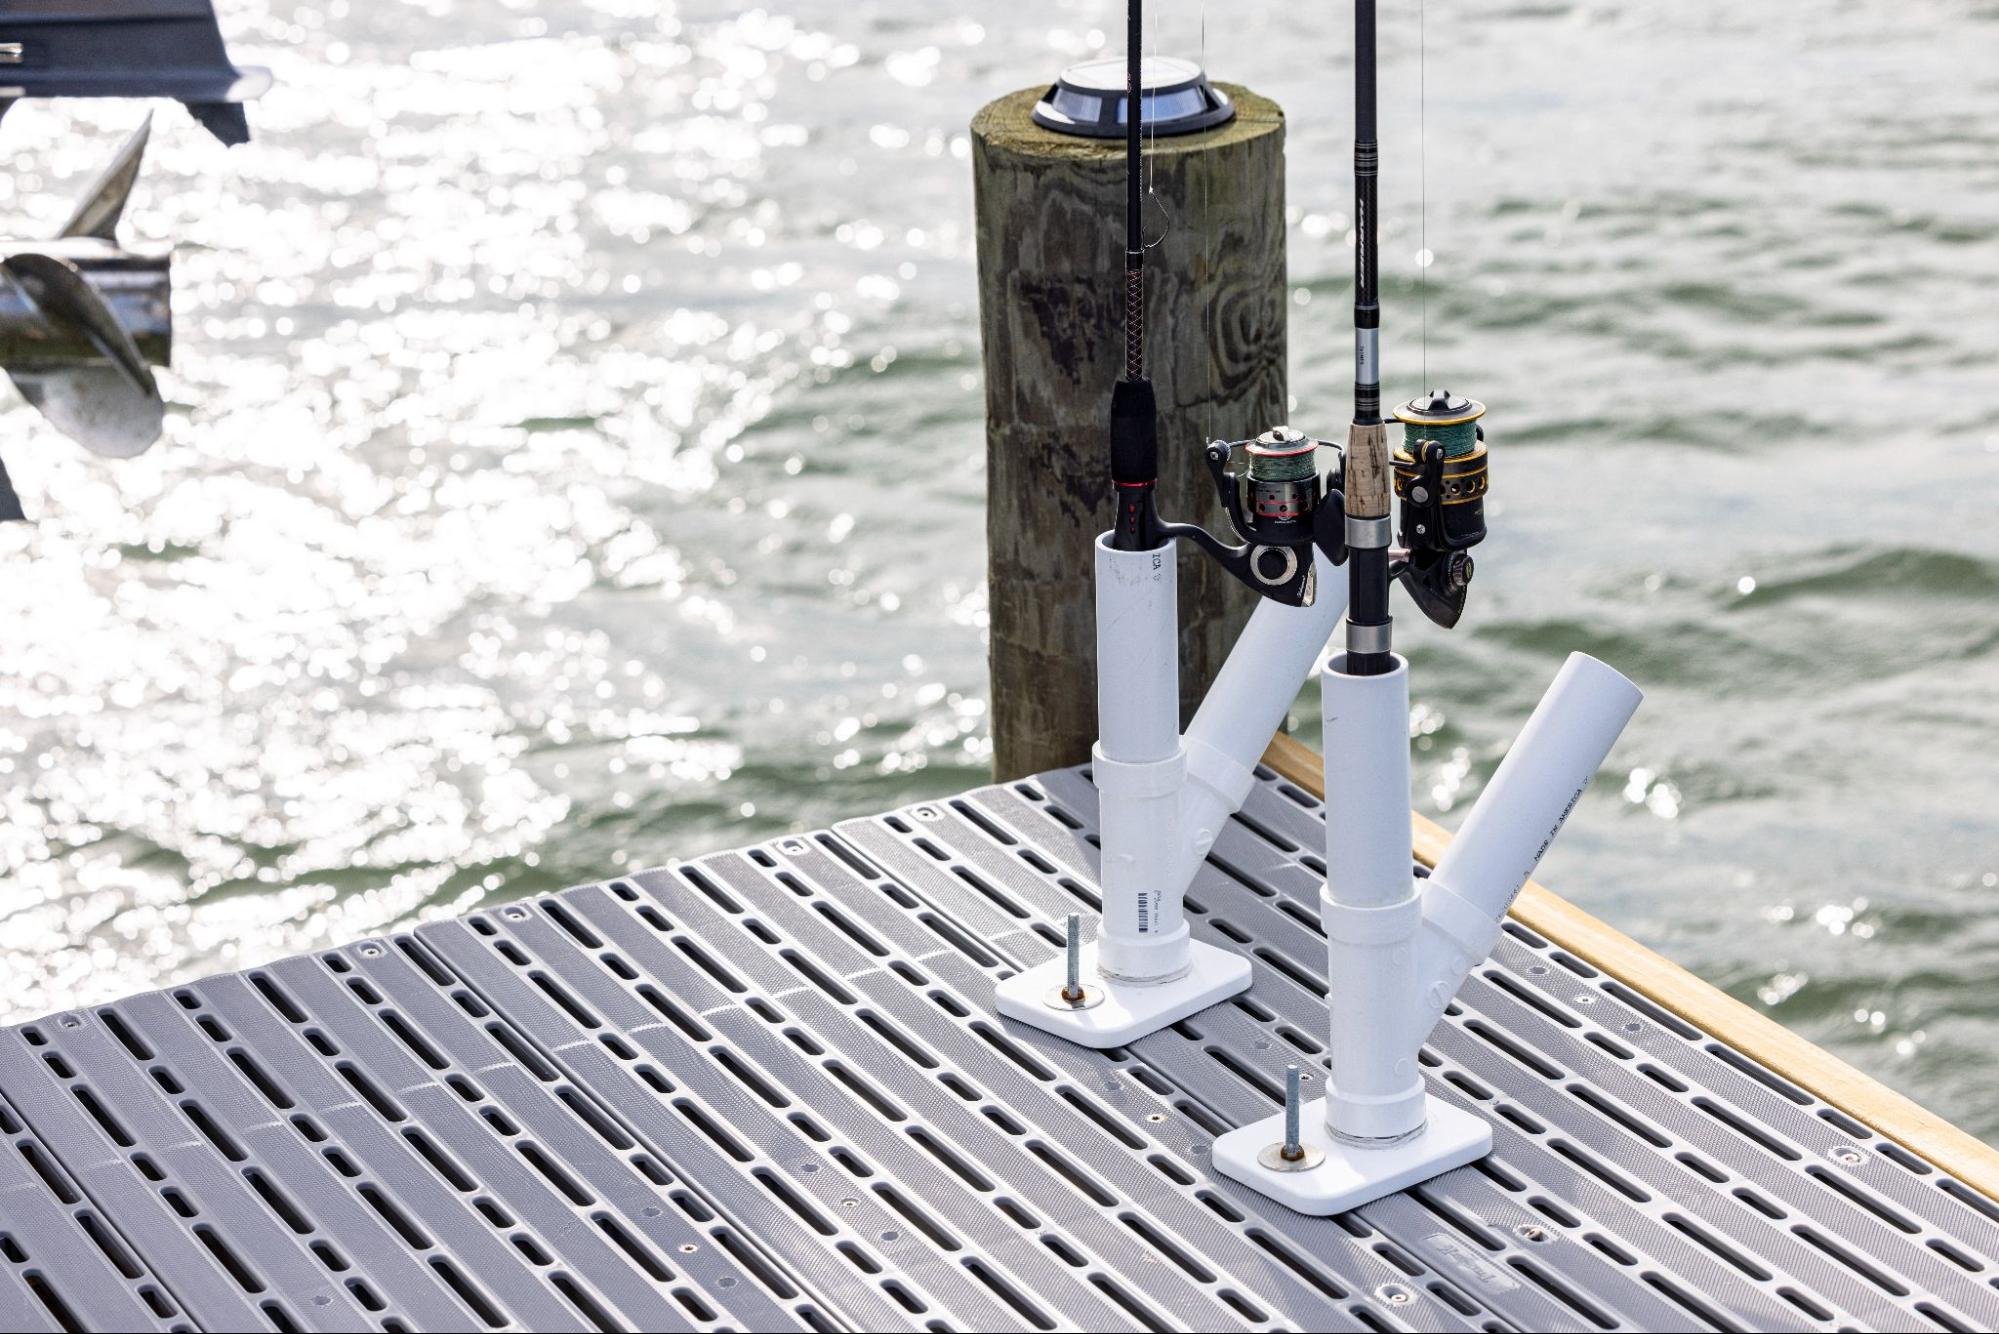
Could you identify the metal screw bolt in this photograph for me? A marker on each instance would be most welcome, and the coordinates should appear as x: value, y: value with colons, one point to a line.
x: 927, y: 813
x: 1849, y: 1155
x: 515, y: 914
x: 1293, y: 1155
x: 688, y: 1248
x: 1533, y: 1232
x: 371, y: 951
x: 1396, y: 1296
x: 792, y: 847
x: 71, y: 1021
x: 1072, y: 994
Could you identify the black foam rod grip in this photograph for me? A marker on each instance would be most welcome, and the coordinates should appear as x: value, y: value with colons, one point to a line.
x: 1134, y: 433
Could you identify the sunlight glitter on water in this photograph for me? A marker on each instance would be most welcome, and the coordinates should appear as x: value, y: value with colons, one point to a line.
x: 576, y: 462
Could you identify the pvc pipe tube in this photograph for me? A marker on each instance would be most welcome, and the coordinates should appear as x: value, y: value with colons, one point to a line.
x: 1138, y: 653
x: 1372, y: 915
x: 1247, y: 704
x: 1514, y: 820
x: 1139, y: 766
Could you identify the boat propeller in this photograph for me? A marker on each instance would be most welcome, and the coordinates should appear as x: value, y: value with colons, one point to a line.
x: 83, y: 321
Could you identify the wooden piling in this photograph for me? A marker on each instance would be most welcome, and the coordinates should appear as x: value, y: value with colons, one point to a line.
x: 1051, y: 254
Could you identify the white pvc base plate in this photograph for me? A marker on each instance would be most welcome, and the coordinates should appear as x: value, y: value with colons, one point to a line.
x: 1127, y: 1012
x: 1350, y: 1176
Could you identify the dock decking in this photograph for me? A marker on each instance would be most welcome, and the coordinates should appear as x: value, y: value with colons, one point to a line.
x: 766, y: 1090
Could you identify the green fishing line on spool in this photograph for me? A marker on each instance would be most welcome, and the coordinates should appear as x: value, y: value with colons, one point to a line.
x: 1457, y: 439
x: 1447, y: 418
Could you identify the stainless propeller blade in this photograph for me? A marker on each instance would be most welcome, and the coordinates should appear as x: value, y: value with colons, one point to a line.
x: 103, y: 204
x: 113, y: 410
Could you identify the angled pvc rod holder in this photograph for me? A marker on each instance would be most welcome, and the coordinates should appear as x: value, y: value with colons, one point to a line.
x: 1398, y: 949
x: 1163, y: 799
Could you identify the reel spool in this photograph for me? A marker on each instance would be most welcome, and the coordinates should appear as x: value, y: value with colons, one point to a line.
x: 1441, y: 478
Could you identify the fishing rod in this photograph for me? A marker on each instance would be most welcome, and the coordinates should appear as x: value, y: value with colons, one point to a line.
x: 1439, y: 475
x: 1277, y: 507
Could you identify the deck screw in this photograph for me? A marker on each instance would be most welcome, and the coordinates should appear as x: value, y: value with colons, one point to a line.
x: 1585, y: 1000
x: 688, y: 1248
x: 1396, y: 1296
x: 1533, y: 1232
x: 71, y: 1021
x: 1849, y: 1155
x: 927, y: 813
x: 1156, y: 1117
x: 1293, y: 1155
x: 371, y: 951
x: 792, y: 847
x: 1072, y: 994
x: 515, y: 914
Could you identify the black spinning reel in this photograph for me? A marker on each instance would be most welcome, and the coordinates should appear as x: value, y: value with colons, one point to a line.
x: 1280, y: 509
x: 1441, y: 478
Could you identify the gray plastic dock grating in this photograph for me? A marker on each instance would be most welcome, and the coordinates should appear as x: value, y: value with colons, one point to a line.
x: 766, y: 1090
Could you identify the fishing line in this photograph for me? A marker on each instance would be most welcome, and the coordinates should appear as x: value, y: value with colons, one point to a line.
x: 1423, y: 256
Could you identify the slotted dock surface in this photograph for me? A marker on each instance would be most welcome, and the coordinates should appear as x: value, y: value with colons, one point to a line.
x: 766, y: 1090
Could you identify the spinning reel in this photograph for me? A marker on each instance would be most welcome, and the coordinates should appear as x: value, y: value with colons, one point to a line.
x: 1441, y: 479
x: 1280, y: 510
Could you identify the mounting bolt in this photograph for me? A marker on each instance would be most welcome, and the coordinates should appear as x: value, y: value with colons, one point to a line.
x: 1072, y: 994
x: 1533, y: 1232
x: 1293, y: 1155
x: 793, y: 847
x: 1848, y: 1155
x: 1395, y: 1295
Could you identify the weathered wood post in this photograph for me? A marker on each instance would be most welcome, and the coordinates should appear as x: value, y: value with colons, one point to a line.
x: 1051, y: 253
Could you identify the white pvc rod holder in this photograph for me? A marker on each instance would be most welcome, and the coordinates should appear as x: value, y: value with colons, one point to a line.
x: 1392, y: 953
x: 1162, y: 801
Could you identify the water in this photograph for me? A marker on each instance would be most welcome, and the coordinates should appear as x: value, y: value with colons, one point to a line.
x: 577, y: 461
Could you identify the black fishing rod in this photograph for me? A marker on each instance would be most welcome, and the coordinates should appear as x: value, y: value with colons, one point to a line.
x: 1438, y: 475
x: 1134, y: 410
x: 1277, y: 507
x: 1366, y: 473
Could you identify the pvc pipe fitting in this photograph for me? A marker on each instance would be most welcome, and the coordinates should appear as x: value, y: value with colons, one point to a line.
x: 1369, y: 905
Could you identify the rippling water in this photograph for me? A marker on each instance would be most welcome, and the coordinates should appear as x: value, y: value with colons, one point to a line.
x: 577, y: 461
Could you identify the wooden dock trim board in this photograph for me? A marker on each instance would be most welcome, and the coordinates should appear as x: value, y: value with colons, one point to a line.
x: 1704, y: 1005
